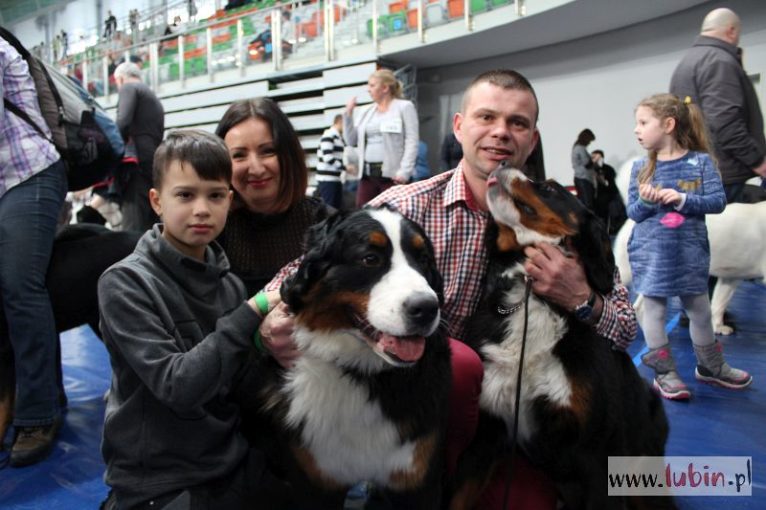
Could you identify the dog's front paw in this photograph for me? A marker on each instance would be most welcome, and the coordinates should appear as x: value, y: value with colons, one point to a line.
x: 723, y: 329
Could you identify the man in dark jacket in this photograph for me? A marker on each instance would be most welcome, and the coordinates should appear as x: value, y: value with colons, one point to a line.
x: 711, y: 74
x: 141, y: 120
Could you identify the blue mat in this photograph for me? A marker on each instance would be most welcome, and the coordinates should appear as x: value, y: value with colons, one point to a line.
x: 72, y: 477
x: 714, y: 422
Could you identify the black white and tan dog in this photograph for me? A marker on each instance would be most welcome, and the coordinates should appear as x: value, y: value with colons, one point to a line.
x: 581, y: 400
x: 367, y: 399
x: 81, y: 252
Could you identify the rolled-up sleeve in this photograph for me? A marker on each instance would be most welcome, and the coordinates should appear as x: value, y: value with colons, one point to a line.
x: 618, y: 318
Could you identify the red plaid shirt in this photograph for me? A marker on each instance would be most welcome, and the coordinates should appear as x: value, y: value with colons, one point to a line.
x: 445, y: 208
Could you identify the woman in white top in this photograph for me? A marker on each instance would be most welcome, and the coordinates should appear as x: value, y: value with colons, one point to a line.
x: 385, y: 134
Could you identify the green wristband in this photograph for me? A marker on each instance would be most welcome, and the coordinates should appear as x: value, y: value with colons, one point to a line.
x: 262, y: 302
x: 258, y: 341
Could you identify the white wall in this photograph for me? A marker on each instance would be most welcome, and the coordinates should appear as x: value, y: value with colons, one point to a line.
x: 593, y: 82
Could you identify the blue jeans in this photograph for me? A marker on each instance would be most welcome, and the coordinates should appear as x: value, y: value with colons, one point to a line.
x: 331, y: 193
x: 28, y: 216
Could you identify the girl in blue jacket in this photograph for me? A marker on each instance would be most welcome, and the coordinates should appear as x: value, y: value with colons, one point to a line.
x: 670, y: 192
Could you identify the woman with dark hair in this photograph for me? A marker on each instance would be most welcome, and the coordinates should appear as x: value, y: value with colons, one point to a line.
x: 584, y: 174
x: 271, y: 211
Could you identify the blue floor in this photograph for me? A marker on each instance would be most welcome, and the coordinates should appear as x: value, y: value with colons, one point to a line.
x: 72, y: 477
x: 714, y: 422
x: 718, y: 421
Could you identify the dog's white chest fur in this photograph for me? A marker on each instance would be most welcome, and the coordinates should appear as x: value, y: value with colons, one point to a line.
x: 346, y: 432
x: 543, y: 374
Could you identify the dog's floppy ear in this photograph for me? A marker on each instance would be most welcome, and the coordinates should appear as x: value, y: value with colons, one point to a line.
x: 320, y: 241
x: 595, y: 251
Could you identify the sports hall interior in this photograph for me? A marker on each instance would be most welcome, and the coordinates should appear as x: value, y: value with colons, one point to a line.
x: 590, y: 62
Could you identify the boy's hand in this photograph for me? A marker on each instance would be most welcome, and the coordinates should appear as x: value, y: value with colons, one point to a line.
x: 272, y: 297
x: 277, y: 335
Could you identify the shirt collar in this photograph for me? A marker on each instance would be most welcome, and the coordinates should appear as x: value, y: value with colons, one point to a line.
x: 458, y: 191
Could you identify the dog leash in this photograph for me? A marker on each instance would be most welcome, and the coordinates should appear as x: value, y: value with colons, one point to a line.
x: 515, y: 432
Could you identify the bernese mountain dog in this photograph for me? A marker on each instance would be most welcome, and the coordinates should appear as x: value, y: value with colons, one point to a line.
x: 367, y: 400
x: 582, y: 400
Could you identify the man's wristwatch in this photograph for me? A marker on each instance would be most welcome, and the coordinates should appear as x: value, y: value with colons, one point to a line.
x: 584, y: 310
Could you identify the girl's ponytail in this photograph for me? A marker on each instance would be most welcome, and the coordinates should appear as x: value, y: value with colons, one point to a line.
x: 698, y: 139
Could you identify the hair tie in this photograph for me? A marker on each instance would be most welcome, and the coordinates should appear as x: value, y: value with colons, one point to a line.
x: 688, y: 100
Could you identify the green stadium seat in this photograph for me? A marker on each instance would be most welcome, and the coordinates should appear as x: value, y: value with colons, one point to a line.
x: 479, y: 5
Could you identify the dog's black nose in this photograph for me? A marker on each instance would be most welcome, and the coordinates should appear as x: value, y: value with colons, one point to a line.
x: 421, y: 308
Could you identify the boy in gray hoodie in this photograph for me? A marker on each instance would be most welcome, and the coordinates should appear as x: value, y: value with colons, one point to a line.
x: 179, y: 331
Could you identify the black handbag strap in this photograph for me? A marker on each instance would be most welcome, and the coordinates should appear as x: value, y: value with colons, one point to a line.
x: 23, y: 116
x: 11, y: 39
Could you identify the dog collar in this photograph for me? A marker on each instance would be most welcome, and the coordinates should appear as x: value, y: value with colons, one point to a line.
x: 511, y: 309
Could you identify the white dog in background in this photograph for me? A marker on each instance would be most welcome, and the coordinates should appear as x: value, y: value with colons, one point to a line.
x: 737, y: 250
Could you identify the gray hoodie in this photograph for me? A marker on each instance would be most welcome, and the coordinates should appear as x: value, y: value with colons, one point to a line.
x: 178, y: 332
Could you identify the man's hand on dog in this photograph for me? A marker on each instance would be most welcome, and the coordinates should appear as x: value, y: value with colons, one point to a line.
x: 555, y: 276
x: 277, y: 335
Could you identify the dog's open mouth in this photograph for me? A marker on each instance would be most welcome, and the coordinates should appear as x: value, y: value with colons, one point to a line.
x: 397, y: 350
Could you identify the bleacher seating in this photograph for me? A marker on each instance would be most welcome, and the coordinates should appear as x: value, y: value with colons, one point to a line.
x: 311, y: 92
x: 310, y: 98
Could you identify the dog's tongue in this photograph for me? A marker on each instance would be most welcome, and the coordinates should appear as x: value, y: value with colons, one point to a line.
x: 408, y: 348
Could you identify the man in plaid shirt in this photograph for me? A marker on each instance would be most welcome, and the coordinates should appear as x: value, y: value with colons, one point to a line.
x: 452, y: 209
x: 32, y: 189
x: 496, y: 124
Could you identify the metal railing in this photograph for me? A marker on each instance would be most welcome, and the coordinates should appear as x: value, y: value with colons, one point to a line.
x: 263, y: 36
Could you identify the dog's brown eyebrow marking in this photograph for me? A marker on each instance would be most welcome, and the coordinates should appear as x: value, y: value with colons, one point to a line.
x: 418, y: 241
x: 546, y: 221
x: 378, y: 238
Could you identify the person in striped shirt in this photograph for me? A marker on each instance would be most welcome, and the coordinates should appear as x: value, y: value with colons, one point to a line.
x: 330, y: 164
